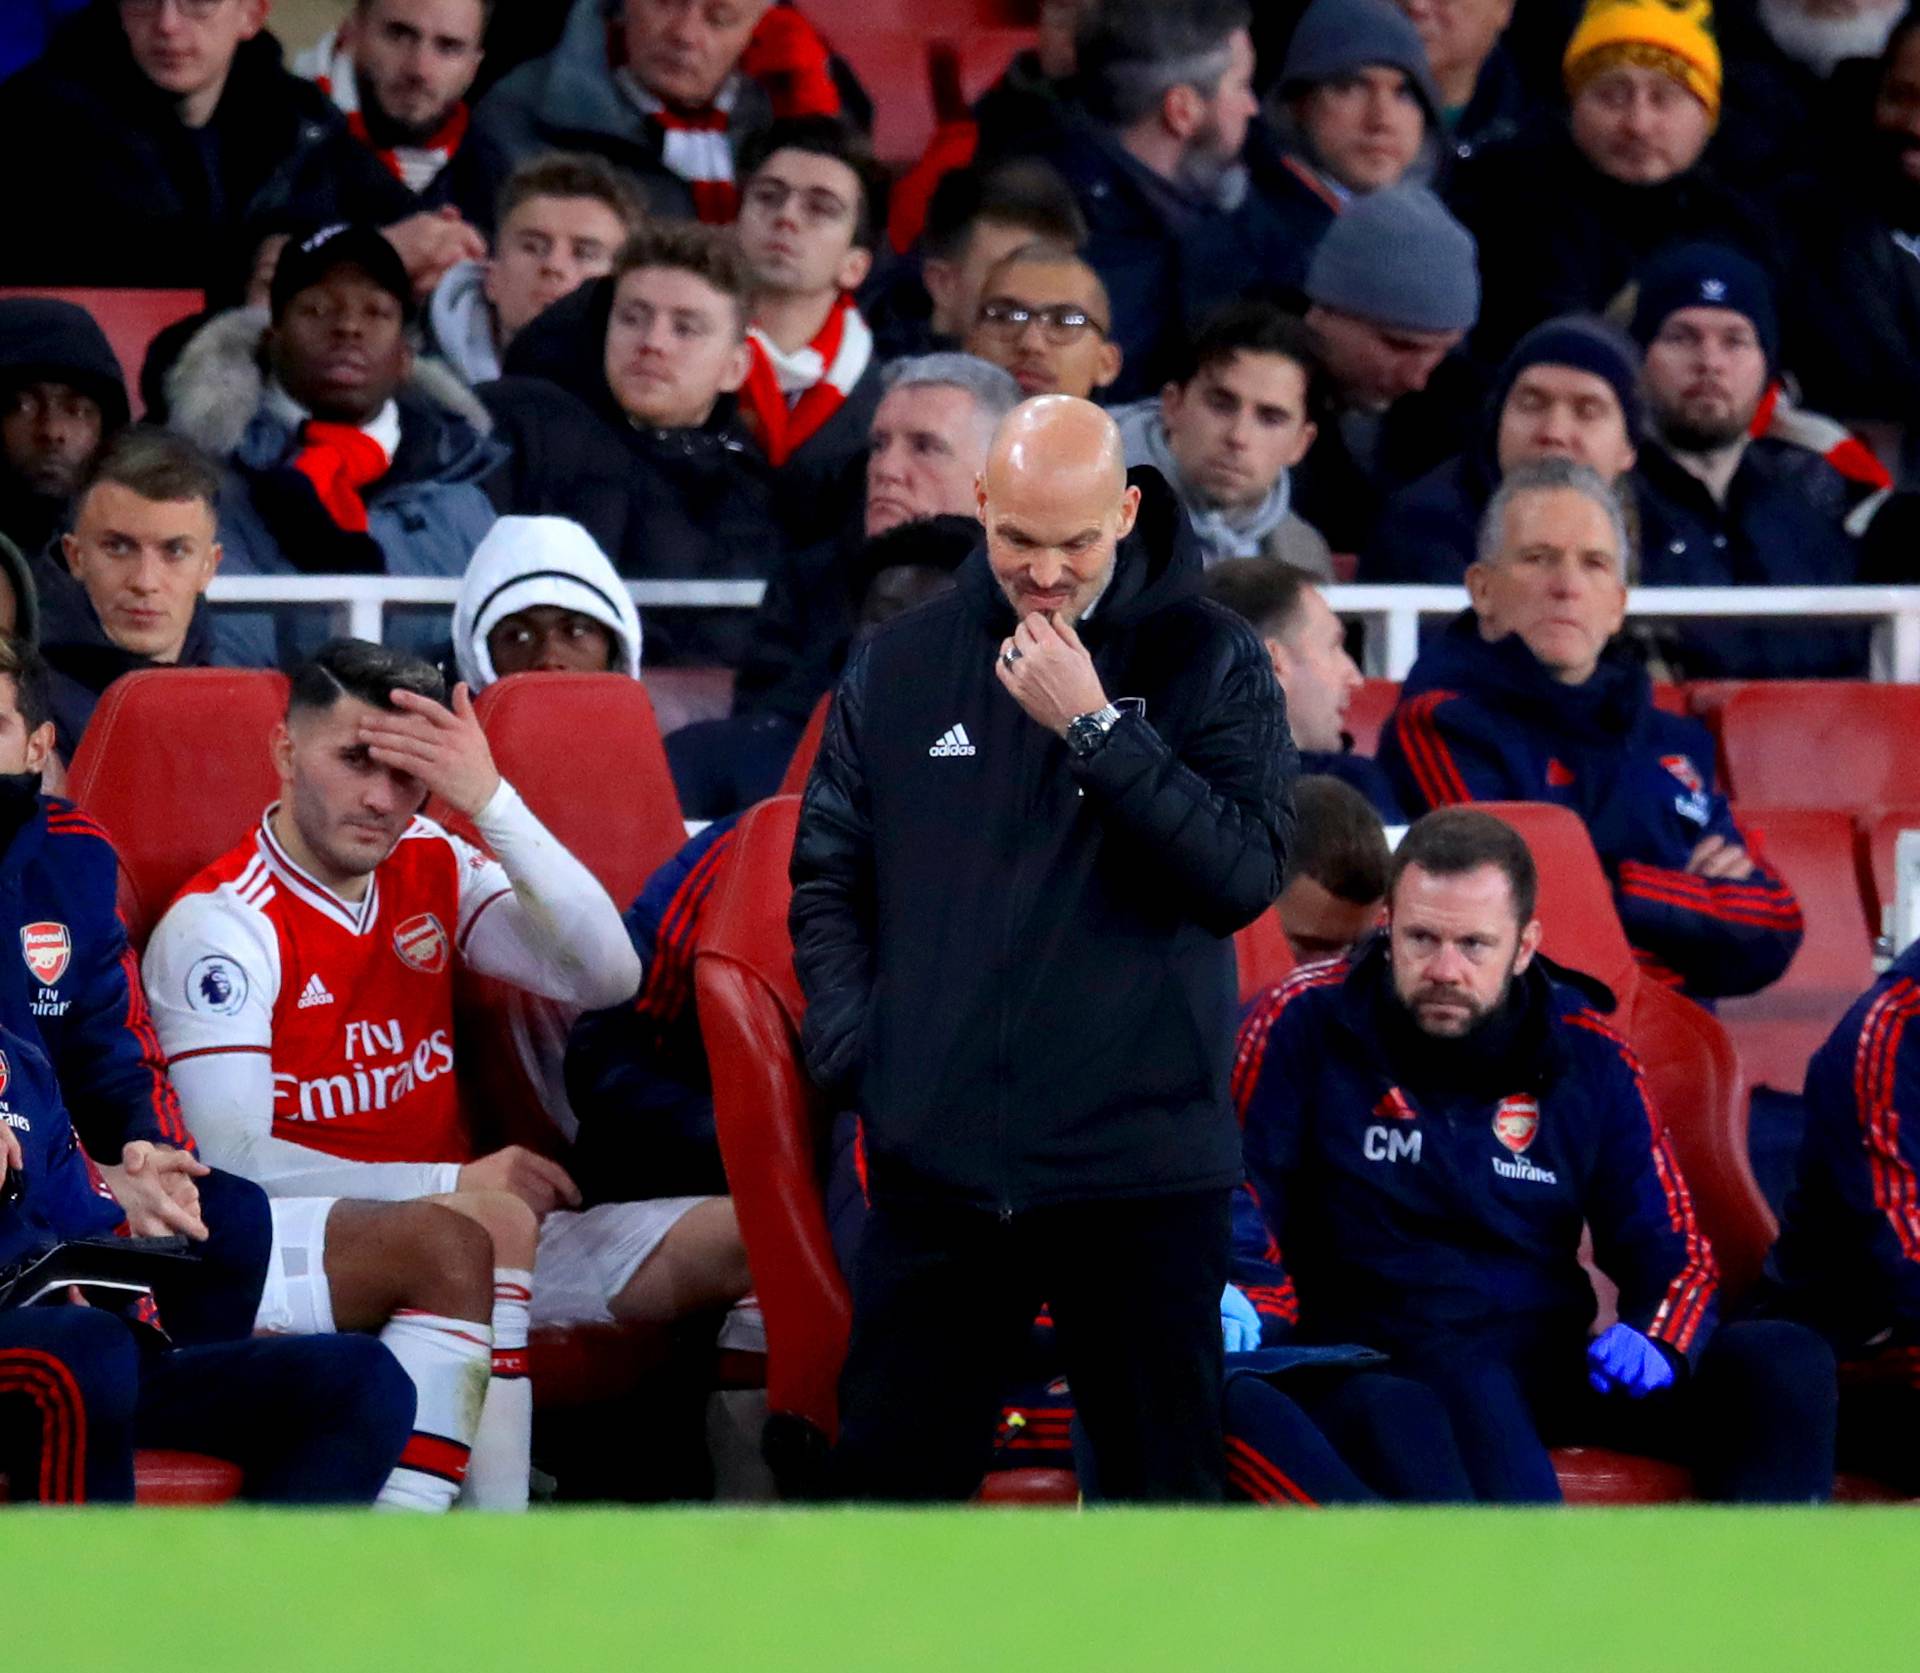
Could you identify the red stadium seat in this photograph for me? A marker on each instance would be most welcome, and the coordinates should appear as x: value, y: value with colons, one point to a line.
x: 1818, y: 743
x: 1261, y: 954
x: 770, y: 1120
x: 1595, y: 1475
x: 1778, y: 1029
x: 1367, y: 714
x: 1670, y: 697
x: 175, y: 765
x: 1579, y: 926
x: 131, y: 320
x: 584, y: 751
x: 183, y: 1478
x: 801, y: 766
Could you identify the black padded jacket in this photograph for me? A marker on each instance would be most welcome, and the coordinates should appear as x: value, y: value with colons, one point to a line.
x: 1017, y: 964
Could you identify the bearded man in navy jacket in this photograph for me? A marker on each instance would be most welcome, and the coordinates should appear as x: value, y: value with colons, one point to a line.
x: 1042, y: 806
x: 1525, y: 698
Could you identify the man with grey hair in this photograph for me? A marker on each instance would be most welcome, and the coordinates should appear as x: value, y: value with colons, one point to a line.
x: 926, y: 447
x: 1525, y: 697
x: 1151, y: 149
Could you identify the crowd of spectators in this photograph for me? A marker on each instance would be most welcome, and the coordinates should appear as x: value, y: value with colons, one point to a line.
x: 1547, y: 301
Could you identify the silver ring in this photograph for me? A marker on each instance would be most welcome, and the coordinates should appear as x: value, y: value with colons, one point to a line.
x: 1010, y: 655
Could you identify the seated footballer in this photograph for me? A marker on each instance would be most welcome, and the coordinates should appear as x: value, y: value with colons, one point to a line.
x: 303, y: 990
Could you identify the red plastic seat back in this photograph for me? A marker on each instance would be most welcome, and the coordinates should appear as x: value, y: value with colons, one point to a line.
x: 175, y: 765
x: 801, y: 766
x: 1368, y: 712
x: 584, y: 751
x: 1579, y: 926
x: 1777, y: 1030
x: 1818, y: 743
x: 1261, y: 954
x: 1696, y: 1082
x: 769, y: 1116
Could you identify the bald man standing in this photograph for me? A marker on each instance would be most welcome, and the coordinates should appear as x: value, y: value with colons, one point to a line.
x: 1043, y: 805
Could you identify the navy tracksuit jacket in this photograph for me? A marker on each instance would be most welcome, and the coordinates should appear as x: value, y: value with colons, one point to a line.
x: 1409, y: 1209
x: 1483, y: 722
x: 69, y: 978
x: 637, y: 1076
x: 1849, y: 1251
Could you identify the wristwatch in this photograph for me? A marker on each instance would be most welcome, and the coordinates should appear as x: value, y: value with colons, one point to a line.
x: 1087, y: 732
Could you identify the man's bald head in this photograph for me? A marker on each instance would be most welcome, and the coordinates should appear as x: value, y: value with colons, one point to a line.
x: 1055, y: 504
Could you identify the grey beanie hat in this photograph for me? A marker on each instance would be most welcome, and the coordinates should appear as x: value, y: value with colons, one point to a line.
x: 1397, y: 258
x: 1339, y: 37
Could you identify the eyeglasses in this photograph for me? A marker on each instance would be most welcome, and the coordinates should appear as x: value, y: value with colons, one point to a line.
x: 815, y: 204
x: 198, y: 11
x: 1061, y: 323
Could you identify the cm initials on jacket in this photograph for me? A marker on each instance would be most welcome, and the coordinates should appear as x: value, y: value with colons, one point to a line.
x: 1017, y: 962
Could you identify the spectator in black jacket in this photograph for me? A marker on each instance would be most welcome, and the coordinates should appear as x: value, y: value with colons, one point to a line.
x: 1391, y: 293
x: 1565, y: 213
x: 1355, y: 110
x: 1853, y: 311
x: 1009, y: 922
x: 129, y: 589
x: 62, y: 397
x: 166, y: 146
x: 619, y: 407
x: 809, y: 224
x: 1152, y: 151
x: 1723, y: 508
x: 399, y: 71
x: 1307, y: 645
x: 1568, y: 391
x: 1483, y: 97
x: 656, y: 90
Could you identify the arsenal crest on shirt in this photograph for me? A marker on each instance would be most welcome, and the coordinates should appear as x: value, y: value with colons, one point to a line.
x: 1516, y: 1121
x: 47, y: 948
x: 422, y: 943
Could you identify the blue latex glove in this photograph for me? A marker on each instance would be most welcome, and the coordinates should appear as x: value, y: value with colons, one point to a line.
x: 1621, y: 1360
x: 1239, y: 1323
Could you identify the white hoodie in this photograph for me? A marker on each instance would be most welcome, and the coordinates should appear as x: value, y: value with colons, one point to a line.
x: 525, y: 562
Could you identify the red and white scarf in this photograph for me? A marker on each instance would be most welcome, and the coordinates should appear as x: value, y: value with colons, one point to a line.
x: 787, y: 398
x: 414, y: 166
x: 694, y: 145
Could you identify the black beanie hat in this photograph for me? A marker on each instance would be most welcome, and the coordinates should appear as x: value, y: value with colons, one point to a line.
x: 1705, y: 276
x: 1585, y: 343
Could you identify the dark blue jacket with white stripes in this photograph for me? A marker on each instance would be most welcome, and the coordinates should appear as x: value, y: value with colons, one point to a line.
x: 70, y: 978
x: 1482, y: 721
x: 1416, y: 1191
x: 1849, y: 1251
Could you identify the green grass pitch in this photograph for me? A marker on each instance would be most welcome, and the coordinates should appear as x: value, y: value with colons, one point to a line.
x: 1710, y: 1591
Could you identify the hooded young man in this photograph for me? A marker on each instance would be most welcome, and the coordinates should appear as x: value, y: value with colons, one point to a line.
x: 540, y: 594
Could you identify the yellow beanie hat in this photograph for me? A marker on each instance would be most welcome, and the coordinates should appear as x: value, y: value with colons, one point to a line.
x: 1675, y: 37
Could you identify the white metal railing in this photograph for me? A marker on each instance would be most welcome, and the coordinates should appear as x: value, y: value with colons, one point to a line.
x: 1391, y: 614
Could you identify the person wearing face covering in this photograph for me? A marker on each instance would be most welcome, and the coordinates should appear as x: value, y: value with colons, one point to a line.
x: 541, y: 595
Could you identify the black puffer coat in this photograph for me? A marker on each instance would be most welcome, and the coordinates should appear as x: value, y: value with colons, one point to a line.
x: 1019, y: 962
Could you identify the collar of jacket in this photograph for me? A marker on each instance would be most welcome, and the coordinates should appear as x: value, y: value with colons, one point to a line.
x: 1606, y: 709
x: 1156, y: 566
x: 22, y: 825
x: 77, y: 645
x: 1519, y: 1049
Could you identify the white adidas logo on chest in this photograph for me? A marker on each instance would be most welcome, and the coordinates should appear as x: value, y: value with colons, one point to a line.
x: 953, y: 741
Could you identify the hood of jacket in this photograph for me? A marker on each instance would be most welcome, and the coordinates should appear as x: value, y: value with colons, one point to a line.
x: 525, y: 562
x: 214, y: 393
x: 42, y: 337
x: 1613, y: 702
x: 460, y: 324
x: 1156, y: 566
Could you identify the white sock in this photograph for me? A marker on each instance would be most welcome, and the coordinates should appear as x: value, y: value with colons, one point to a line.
x: 501, y: 1464
x: 448, y: 1361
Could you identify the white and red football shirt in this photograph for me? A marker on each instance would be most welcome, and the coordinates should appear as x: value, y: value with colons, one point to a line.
x: 352, y: 1001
